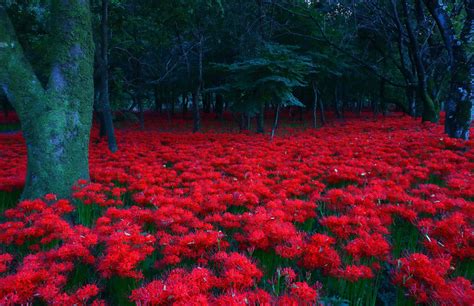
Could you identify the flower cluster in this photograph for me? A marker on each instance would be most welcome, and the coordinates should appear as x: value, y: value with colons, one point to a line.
x: 233, y: 219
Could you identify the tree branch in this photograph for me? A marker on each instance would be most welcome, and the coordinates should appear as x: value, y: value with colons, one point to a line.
x: 17, y: 78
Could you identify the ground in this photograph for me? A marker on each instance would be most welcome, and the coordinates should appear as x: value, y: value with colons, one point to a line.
x: 364, y: 211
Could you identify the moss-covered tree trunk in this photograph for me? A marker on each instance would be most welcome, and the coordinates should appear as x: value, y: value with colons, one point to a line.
x: 55, y: 120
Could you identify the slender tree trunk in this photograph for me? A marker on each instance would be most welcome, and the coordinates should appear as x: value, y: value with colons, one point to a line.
x: 168, y: 111
x: 260, y: 118
x: 55, y: 121
x: 411, y: 98
x: 336, y: 100
x: 407, y: 73
x: 321, y: 110
x: 275, y: 121
x: 219, y: 106
x: 102, y: 129
x: 430, y: 112
x: 207, y: 103
x: 185, y: 105
x: 197, y: 93
x: 383, y: 104
x: 374, y: 104
x: 158, y: 101
x: 242, y: 122
x: 196, y: 113
x: 342, y: 98
x: 172, y: 106
x: 104, y: 84
x: 315, y: 103
x: 141, y: 112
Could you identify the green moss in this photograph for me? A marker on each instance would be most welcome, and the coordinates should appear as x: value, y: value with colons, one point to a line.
x: 55, y: 122
x: 430, y: 110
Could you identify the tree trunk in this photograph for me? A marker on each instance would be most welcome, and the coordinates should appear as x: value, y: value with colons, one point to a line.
x: 275, y: 121
x: 207, y: 103
x: 383, y: 104
x: 407, y: 73
x: 411, y: 98
x: 196, y: 113
x: 57, y: 154
x: 261, y: 120
x: 102, y: 128
x: 141, y: 112
x: 336, y: 100
x: 158, y: 101
x: 242, y: 121
x: 375, y: 106
x: 104, y: 84
x: 172, y: 105
x: 219, y: 106
x: 430, y: 112
x: 315, y: 103
x: 321, y: 110
x: 197, y: 93
x: 185, y: 105
x: 459, y: 103
x: 55, y: 121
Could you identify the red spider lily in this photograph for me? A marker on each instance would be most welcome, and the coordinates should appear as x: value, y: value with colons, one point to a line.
x: 334, y: 200
x: 320, y: 254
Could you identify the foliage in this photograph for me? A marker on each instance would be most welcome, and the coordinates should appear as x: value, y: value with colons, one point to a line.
x: 268, y: 78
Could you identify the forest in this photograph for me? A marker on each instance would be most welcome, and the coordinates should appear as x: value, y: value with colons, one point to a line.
x: 236, y: 152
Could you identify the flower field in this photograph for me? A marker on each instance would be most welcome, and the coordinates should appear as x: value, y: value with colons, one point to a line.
x: 361, y: 212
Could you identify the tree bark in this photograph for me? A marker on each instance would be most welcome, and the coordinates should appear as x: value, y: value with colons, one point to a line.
x: 219, y: 109
x: 315, y: 104
x: 207, y: 103
x: 336, y: 100
x: 321, y: 110
x: 141, y: 112
x: 102, y: 128
x: 275, y: 121
x: 407, y: 73
x: 411, y: 98
x: 196, y: 113
x: 104, y: 84
x: 430, y: 112
x: 459, y: 103
x: 158, y: 101
x: 55, y: 121
x: 260, y: 118
x: 197, y: 93
x: 185, y: 105
x: 383, y: 104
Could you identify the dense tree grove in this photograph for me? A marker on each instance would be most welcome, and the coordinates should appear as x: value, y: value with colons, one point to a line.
x: 236, y: 152
x: 246, y: 57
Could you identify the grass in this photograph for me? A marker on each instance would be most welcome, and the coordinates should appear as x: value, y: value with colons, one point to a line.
x: 9, y: 127
x: 87, y: 215
x: 8, y: 200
